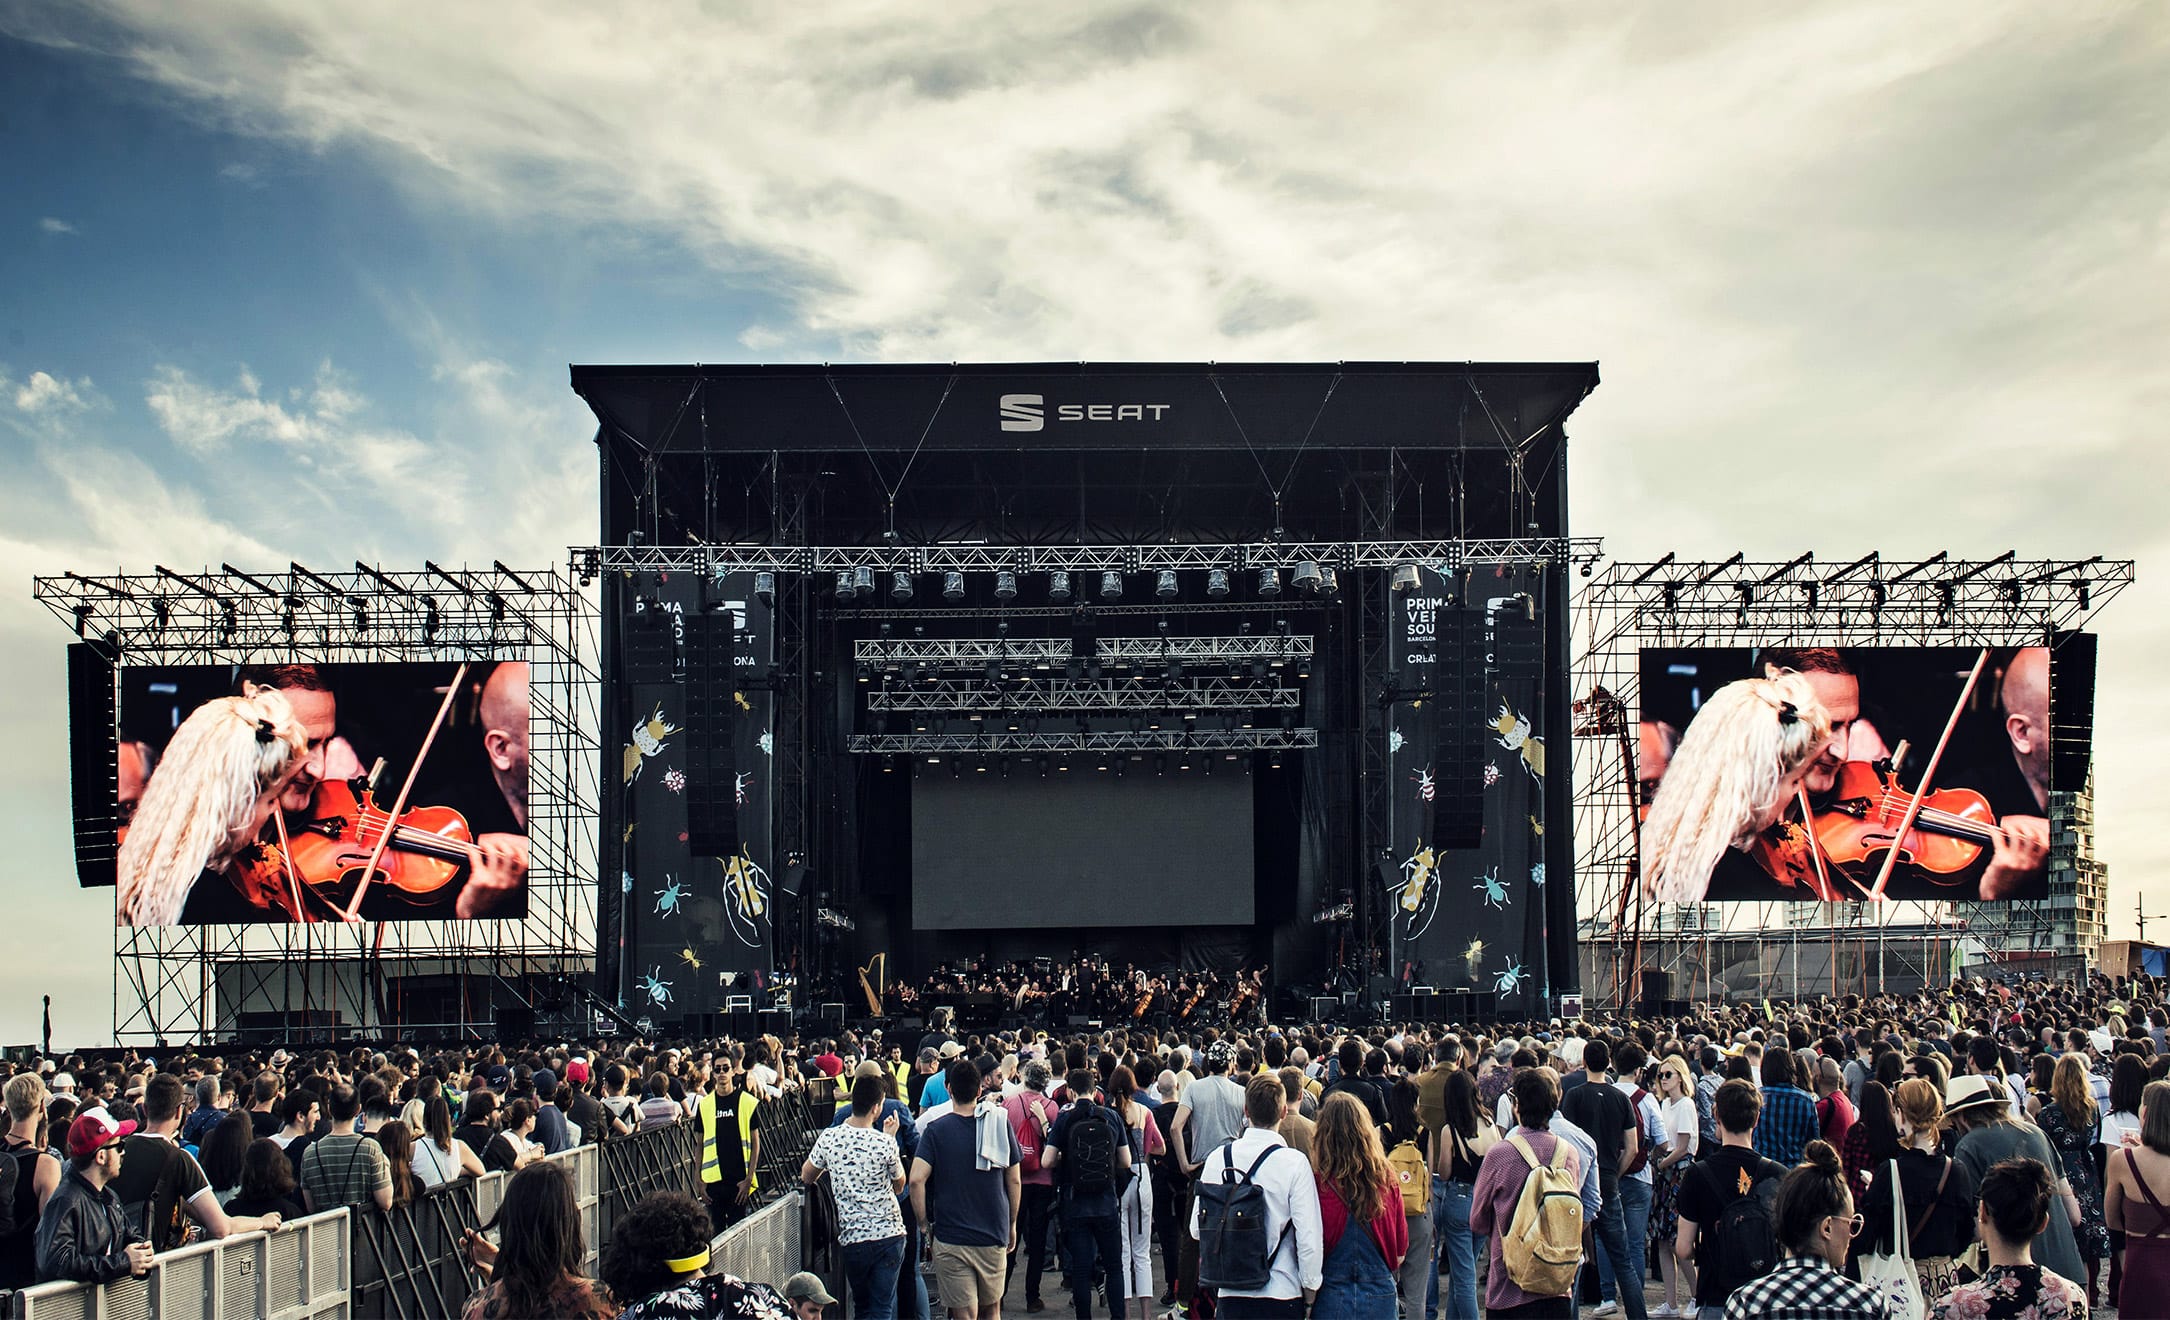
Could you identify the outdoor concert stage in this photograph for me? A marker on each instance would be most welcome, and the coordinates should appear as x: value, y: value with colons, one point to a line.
x: 1172, y: 665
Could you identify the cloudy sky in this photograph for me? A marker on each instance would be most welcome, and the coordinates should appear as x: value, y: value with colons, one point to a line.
x: 301, y: 282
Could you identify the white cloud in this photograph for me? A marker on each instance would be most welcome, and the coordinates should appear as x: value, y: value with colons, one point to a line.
x: 55, y: 225
x: 239, y: 172
x: 47, y: 393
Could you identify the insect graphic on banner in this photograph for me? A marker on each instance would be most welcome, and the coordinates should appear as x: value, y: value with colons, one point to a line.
x: 625, y: 882
x: 739, y: 785
x: 1513, y: 730
x: 746, y: 896
x: 648, y: 736
x: 1420, y: 889
x: 1473, y: 959
x: 743, y: 704
x: 656, y: 988
x: 1510, y: 979
x: 1537, y: 827
x: 690, y: 960
x: 1491, y: 773
x: 669, y: 898
x: 1537, y: 874
x: 768, y: 743
x: 1495, y: 893
x: 1427, y: 789
x: 674, y: 779
x: 1394, y: 741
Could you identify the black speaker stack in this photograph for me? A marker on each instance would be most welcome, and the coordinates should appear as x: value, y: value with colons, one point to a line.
x: 1460, y: 688
x: 93, y: 763
x: 2071, y: 709
x: 711, y: 764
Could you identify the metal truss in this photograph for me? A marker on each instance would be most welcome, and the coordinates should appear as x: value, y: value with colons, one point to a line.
x: 979, y: 652
x: 1868, y: 601
x: 947, y: 694
x: 188, y: 983
x: 1128, y: 740
x: 1445, y: 556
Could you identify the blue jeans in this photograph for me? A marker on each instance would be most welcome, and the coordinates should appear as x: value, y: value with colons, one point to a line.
x: 1634, y: 1229
x: 1455, y: 1250
x: 1611, y: 1230
x: 911, y: 1284
x: 1095, y: 1245
x: 870, y: 1268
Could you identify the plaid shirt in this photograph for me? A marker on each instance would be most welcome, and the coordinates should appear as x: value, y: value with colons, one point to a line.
x: 1787, y: 1126
x: 1805, y: 1288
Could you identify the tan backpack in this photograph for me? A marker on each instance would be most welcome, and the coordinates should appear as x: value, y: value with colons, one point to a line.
x: 1413, y: 1176
x: 1543, y: 1245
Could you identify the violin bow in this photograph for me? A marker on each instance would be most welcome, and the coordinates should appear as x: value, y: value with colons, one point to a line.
x: 1928, y: 774
x: 399, y: 805
x: 286, y: 862
x: 1815, y: 851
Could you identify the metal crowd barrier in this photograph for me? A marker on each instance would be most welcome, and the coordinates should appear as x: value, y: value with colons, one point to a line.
x: 768, y: 1245
x: 298, y: 1273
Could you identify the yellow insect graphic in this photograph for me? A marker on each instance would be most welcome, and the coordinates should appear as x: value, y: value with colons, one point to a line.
x: 1513, y: 730
x: 746, y: 896
x: 743, y: 704
x: 648, y: 738
x: 690, y: 959
x: 1473, y: 959
x: 1420, y: 888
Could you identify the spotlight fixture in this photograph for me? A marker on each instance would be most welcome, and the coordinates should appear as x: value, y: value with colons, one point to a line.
x: 1406, y: 578
x: 862, y: 580
x: 953, y: 587
x: 1005, y: 585
x: 1217, y: 583
x: 845, y: 587
x: 764, y: 589
x: 430, y: 620
x: 1111, y: 586
x: 900, y: 586
x: 1329, y: 580
x: 1058, y: 585
x: 1589, y: 566
x: 1307, y: 578
x: 1164, y: 584
x: 1269, y: 582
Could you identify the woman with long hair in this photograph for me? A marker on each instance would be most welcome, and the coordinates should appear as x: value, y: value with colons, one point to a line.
x: 1677, y: 1119
x: 1134, y: 1212
x: 1463, y: 1140
x: 512, y: 1148
x: 1936, y: 1194
x: 655, y: 1267
x: 1737, y: 768
x: 439, y: 1156
x: 2072, y: 1121
x: 2014, y: 1206
x: 2134, y: 1196
x: 224, y: 1152
x: 210, y: 796
x: 1815, y: 1227
x: 535, y: 1268
x: 267, y: 1183
x: 1413, y: 1279
x: 398, y: 1144
x: 2040, y: 1074
x: 1873, y: 1140
x: 1360, y: 1213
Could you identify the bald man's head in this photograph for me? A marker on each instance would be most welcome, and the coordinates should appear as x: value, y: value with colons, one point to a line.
x: 2025, y: 695
x: 504, y: 733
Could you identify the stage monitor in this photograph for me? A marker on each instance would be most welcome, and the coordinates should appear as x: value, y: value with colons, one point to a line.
x: 1710, y: 759
x: 1081, y: 848
x: 207, y: 839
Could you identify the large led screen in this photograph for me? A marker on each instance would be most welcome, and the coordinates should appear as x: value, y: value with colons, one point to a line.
x: 266, y: 793
x: 1785, y: 773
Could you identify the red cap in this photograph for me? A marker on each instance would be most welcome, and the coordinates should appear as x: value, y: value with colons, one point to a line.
x: 576, y: 1071
x: 94, y: 1127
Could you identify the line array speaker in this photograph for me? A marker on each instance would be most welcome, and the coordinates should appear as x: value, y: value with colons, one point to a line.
x: 1460, y: 688
x: 2071, y: 709
x: 93, y: 764
x: 711, y: 761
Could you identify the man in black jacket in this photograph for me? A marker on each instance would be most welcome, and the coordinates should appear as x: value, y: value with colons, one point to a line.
x: 83, y: 1236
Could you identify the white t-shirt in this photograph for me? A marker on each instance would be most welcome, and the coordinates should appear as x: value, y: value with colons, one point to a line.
x: 2115, y: 1126
x: 863, y: 1167
x: 1679, y: 1119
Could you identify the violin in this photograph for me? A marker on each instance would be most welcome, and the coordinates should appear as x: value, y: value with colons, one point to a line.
x: 428, y: 855
x: 1858, y: 825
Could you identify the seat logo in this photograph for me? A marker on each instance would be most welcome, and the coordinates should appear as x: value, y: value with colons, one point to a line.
x: 1023, y: 412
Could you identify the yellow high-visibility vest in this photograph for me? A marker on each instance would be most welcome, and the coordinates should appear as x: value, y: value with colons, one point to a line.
x: 742, y: 1117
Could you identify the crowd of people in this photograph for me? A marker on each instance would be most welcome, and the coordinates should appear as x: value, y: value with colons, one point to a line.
x: 1976, y: 1151
x: 1048, y: 990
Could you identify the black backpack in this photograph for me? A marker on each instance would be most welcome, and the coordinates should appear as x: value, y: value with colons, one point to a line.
x: 1092, y: 1143
x: 1232, y: 1251
x: 1744, y: 1241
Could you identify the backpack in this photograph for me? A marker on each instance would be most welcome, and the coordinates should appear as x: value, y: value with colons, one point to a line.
x: 1028, y: 1135
x: 1543, y: 1246
x: 1232, y: 1251
x: 1744, y: 1241
x: 1642, y: 1135
x: 1091, y: 1145
x: 1409, y: 1169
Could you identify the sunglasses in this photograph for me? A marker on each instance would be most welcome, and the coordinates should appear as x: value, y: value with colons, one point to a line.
x: 1853, y: 1226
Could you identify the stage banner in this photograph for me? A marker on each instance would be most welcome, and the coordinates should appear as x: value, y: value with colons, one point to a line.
x: 695, y: 929
x: 1469, y: 918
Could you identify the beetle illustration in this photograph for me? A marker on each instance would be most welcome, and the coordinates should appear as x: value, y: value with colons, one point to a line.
x: 657, y: 989
x: 1512, y: 730
x: 648, y: 736
x: 1420, y: 889
x: 1509, y: 980
x: 690, y: 960
x: 625, y: 882
x: 1427, y: 789
x: 670, y: 898
x: 1537, y: 875
x: 739, y: 785
x: 1495, y: 893
x: 1394, y: 741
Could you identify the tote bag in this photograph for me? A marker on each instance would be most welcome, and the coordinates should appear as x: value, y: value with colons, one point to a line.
x: 1892, y: 1276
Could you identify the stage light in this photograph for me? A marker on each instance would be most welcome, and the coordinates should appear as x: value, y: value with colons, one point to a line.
x: 1175, y: 670
x: 1269, y: 582
x: 1306, y: 577
x: 953, y: 587
x: 764, y: 589
x: 1111, y: 586
x: 1405, y: 577
x: 1217, y: 583
x: 361, y: 617
x: 900, y: 586
x: 430, y: 620
x: 1005, y: 585
x: 1329, y: 580
x: 1589, y: 566
x: 1074, y: 669
x: 1164, y: 584
x: 1058, y: 585
x: 862, y: 580
x: 846, y: 588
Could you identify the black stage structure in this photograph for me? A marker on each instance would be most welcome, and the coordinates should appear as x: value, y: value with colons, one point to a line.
x: 1176, y: 665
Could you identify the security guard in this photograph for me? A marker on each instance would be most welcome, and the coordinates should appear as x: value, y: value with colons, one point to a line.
x: 729, y: 1166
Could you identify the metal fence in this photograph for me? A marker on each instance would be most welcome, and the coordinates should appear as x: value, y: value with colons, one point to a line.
x: 298, y: 1273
